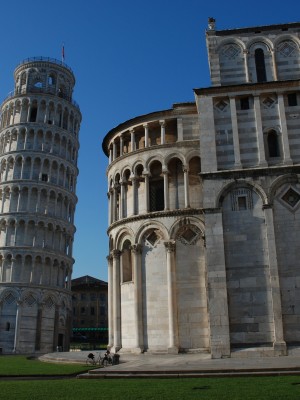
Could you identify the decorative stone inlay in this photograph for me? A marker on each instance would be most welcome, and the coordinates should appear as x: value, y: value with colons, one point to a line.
x: 237, y: 195
x: 188, y: 234
x: 268, y: 102
x: 153, y: 238
x: 49, y: 303
x: 221, y: 105
x: 231, y: 51
x: 291, y: 197
x: 9, y: 299
x: 287, y: 49
x: 30, y: 300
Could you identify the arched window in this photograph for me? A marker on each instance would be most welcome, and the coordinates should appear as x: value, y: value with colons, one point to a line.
x: 126, y: 262
x: 273, y: 144
x: 156, y: 187
x: 260, y: 65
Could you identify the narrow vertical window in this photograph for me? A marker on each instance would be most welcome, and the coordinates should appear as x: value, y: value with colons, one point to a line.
x: 273, y: 144
x: 292, y: 99
x: 260, y: 65
x: 244, y: 101
x: 242, y: 203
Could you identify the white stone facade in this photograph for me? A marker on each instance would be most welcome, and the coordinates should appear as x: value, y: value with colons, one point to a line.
x: 38, y: 172
x: 204, y: 207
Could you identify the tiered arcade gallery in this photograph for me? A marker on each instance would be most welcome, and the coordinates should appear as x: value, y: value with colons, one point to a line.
x: 204, y: 203
x: 38, y: 173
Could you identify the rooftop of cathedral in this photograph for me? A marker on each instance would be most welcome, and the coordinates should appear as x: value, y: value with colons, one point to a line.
x: 256, y: 29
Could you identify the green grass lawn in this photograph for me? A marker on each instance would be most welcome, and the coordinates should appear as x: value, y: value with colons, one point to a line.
x: 264, y: 388
x: 21, y: 365
x: 251, y: 388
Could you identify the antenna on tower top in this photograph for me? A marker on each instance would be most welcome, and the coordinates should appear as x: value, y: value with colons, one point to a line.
x: 63, y: 53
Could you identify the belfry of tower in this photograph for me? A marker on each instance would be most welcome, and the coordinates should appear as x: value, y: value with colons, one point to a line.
x: 38, y: 171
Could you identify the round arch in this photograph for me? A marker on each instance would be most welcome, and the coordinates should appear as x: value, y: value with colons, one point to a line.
x: 240, y: 184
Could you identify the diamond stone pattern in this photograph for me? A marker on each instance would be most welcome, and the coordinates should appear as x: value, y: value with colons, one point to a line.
x: 291, y: 197
x: 9, y: 299
x: 30, y: 300
x: 49, y: 302
x: 221, y: 105
x: 287, y: 49
x: 268, y: 102
x: 231, y: 51
x: 188, y: 235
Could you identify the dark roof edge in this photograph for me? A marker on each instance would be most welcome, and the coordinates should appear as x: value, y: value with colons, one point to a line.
x: 226, y: 32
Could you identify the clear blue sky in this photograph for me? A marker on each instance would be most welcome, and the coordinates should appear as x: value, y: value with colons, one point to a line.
x: 129, y: 58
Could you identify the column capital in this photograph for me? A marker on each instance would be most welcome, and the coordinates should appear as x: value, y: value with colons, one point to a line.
x: 146, y: 125
x: 162, y: 122
x: 170, y: 246
x: 109, y: 259
x: 185, y: 168
x: 136, y: 248
x: 165, y: 171
x: 267, y: 206
x: 131, y: 130
x: 115, y: 253
x: 133, y: 178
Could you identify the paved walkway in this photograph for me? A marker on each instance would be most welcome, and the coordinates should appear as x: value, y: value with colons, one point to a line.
x: 184, y: 365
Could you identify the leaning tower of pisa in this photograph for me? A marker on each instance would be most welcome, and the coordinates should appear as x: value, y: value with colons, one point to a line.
x: 38, y: 171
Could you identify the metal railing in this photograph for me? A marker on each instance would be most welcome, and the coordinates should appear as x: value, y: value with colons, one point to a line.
x: 47, y: 59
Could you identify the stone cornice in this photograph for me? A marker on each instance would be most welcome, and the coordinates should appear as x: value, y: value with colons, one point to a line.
x: 251, y: 88
x: 176, y: 145
x: 251, y: 172
x: 157, y: 214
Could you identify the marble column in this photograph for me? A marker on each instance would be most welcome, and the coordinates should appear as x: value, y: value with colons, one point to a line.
x: 136, y: 250
x: 246, y: 52
x: 132, y: 140
x: 279, y: 343
x: 259, y: 132
x: 284, y: 131
x: 146, y: 128
x: 146, y: 177
x: 114, y: 150
x: 235, y: 134
x: 121, y: 203
x: 17, y: 327
x: 172, y: 299
x: 110, y: 302
x: 162, y: 132
x: 216, y: 285
x: 166, y: 188
x: 116, y: 301
x: 134, y: 193
x: 186, y: 187
x: 121, y: 145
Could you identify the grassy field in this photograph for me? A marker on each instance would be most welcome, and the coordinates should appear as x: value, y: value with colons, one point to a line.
x: 266, y: 388
x: 258, y: 388
x: 21, y: 365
